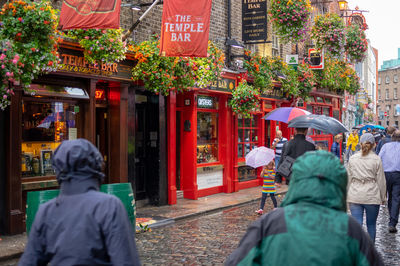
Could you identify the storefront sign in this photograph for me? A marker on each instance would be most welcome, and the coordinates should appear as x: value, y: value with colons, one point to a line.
x: 94, y: 14
x: 292, y: 59
x: 209, y: 176
x: 223, y: 85
x: 254, y: 21
x: 99, y: 94
x: 206, y: 102
x: 185, y: 28
x: 316, y: 59
x: 358, y: 19
x: 74, y: 62
x: 275, y: 93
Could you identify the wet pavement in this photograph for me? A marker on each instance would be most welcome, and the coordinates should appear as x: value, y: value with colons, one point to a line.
x: 209, y: 239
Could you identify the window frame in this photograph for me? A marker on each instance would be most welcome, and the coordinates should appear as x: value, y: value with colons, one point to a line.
x: 242, y: 129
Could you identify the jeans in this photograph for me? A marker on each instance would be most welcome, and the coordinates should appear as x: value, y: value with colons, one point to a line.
x: 278, y: 177
x: 264, y: 197
x: 393, y: 190
x: 372, y: 211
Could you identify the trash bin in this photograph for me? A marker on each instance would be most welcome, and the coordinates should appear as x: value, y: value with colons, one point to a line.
x: 124, y: 192
x: 34, y: 199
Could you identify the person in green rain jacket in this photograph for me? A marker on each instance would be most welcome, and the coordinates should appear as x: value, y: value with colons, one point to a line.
x: 312, y: 226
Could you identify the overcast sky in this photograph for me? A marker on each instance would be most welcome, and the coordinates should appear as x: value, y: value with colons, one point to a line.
x: 383, y: 20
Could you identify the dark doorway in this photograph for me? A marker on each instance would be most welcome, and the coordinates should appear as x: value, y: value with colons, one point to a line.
x: 147, y: 147
x: 178, y: 150
x: 102, y: 137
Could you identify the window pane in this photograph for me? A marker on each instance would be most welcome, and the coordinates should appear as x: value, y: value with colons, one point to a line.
x: 240, y: 122
x: 247, y: 122
x: 45, y: 126
x: 246, y: 173
x: 207, y: 137
x: 247, y: 135
x: 254, y: 135
x: 240, y: 150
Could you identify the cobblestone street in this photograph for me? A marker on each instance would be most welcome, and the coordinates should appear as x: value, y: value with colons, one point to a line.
x: 209, y: 239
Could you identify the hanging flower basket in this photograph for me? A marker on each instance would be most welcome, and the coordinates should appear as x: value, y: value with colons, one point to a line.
x: 260, y: 69
x: 290, y: 19
x: 8, y: 71
x: 164, y: 74
x: 245, y: 99
x: 29, y: 30
x: 356, y: 43
x: 286, y: 75
x: 328, y: 33
x: 100, y: 46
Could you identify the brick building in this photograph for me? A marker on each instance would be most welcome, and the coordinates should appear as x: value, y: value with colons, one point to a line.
x: 388, y: 97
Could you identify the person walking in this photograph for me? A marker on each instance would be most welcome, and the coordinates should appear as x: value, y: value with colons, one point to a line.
x: 388, y: 138
x: 367, y: 185
x: 312, y: 226
x: 268, y: 175
x: 278, y: 144
x: 391, y: 166
x: 296, y: 147
x: 82, y: 226
x: 335, y: 147
x: 352, y: 142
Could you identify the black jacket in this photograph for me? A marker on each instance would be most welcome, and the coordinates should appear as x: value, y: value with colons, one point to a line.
x: 296, y: 147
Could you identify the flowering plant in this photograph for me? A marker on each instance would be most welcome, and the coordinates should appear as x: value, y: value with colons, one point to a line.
x: 260, y: 69
x: 306, y: 80
x: 101, y: 46
x: 286, y: 75
x: 290, y: 18
x: 30, y: 28
x: 356, y: 43
x: 338, y: 77
x: 328, y: 33
x: 164, y: 74
x: 8, y: 71
x: 245, y: 99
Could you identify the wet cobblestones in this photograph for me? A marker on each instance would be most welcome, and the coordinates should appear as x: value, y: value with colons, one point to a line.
x: 209, y: 239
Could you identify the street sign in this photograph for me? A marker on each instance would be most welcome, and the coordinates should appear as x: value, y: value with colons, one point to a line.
x: 292, y: 59
x: 386, y: 114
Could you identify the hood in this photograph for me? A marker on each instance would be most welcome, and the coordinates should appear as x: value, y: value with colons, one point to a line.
x: 318, y: 177
x: 78, y: 165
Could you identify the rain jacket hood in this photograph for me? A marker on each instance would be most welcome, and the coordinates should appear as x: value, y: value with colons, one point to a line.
x: 78, y: 166
x: 319, y: 178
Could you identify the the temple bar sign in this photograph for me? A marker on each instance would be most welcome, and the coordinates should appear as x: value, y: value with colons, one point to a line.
x: 254, y: 21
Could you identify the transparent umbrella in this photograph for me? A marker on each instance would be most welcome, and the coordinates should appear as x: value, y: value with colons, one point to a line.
x: 259, y: 157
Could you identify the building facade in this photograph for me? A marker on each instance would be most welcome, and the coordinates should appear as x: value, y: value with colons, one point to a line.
x: 388, y: 99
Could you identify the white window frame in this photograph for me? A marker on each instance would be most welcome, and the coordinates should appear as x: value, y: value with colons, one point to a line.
x: 395, y: 78
x: 387, y: 79
x: 387, y: 94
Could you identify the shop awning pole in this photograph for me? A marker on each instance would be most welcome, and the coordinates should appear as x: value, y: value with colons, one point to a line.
x: 138, y: 21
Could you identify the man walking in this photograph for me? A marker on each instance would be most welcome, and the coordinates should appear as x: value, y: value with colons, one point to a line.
x: 297, y: 146
x: 278, y: 143
x: 391, y: 166
x: 388, y: 138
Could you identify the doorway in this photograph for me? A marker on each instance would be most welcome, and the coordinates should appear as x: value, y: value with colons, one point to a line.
x: 102, y: 137
x: 147, y: 147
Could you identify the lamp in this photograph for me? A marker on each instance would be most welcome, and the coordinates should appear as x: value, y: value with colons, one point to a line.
x: 136, y: 7
x: 342, y: 5
x: 279, y: 74
x: 234, y: 43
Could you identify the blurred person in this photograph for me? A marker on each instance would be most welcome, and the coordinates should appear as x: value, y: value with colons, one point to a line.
x: 352, y: 142
x: 390, y: 155
x: 388, y: 138
x: 268, y: 176
x: 312, y: 226
x: 82, y: 226
x: 278, y: 143
x: 367, y: 185
x: 335, y: 147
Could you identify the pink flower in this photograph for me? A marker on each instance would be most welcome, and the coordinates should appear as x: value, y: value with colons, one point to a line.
x: 15, y: 61
x: 87, y: 37
x: 2, y: 56
x: 3, y: 66
x: 4, y: 96
x: 8, y: 74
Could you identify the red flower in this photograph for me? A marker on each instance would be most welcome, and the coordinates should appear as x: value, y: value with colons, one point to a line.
x: 20, y: 19
x: 46, y: 22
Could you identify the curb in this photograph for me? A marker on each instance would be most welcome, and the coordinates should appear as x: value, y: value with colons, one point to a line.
x: 12, y: 256
x: 169, y: 221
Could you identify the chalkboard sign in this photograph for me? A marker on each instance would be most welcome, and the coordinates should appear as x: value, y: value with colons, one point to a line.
x: 254, y: 21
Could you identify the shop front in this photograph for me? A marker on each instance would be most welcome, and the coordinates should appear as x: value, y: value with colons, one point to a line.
x: 78, y: 101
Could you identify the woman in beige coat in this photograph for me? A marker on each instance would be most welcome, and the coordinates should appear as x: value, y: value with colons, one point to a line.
x: 367, y: 185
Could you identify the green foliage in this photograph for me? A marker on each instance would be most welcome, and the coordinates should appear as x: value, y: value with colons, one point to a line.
x: 356, y: 43
x: 100, y: 46
x: 260, y: 69
x: 28, y: 29
x: 328, y: 33
x: 245, y: 99
x: 290, y: 19
x: 164, y: 74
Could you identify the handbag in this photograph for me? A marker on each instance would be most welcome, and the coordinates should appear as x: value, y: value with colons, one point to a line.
x: 285, y: 168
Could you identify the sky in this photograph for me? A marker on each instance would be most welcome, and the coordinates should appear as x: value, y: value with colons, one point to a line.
x: 383, y: 21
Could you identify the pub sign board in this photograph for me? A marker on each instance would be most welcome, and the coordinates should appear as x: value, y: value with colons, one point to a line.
x: 254, y: 21
x: 223, y: 84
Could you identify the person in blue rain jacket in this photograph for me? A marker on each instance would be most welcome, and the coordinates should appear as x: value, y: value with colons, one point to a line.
x: 82, y: 226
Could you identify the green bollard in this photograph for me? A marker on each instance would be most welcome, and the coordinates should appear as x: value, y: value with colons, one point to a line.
x: 34, y: 199
x: 124, y: 192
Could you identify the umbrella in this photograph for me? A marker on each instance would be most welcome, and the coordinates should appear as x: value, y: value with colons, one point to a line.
x: 359, y: 126
x: 379, y: 127
x: 366, y: 128
x: 259, y: 157
x: 320, y: 122
x: 285, y: 114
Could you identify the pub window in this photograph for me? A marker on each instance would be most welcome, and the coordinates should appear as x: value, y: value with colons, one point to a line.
x: 309, y: 108
x: 247, y: 135
x: 320, y: 99
x: 300, y: 103
x: 328, y: 100
x: 246, y: 173
x: 207, y: 137
x: 326, y: 111
x: 45, y: 125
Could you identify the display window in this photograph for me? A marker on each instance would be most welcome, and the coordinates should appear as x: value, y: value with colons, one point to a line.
x: 45, y: 125
x: 207, y: 137
x: 246, y: 173
x: 247, y: 135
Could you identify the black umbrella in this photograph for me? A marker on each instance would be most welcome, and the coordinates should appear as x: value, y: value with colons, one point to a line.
x: 324, y: 123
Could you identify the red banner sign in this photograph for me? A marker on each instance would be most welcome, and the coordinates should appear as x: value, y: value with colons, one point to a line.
x: 185, y: 28
x: 93, y: 14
